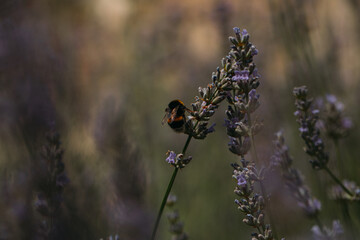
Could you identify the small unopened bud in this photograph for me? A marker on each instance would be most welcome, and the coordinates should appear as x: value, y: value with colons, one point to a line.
x: 233, y: 41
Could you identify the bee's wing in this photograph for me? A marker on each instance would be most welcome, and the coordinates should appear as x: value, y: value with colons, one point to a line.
x: 170, y: 115
x: 165, y: 118
x: 173, y: 114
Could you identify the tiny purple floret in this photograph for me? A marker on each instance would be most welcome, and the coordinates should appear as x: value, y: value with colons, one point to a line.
x: 241, y: 76
x: 171, y: 158
x: 211, y: 128
x: 241, y: 180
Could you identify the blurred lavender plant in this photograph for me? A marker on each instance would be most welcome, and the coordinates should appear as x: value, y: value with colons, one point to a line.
x: 307, y: 117
x: 336, y: 125
x: 116, y: 237
x: 293, y: 178
x: 294, y: 181
x: 337, y: 193
x: 328, y: 234
x: 176, y: 226
x: 50, y: 198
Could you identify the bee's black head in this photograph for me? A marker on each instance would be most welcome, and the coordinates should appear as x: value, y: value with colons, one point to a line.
x: 179, y: 105
x: 176, y: 103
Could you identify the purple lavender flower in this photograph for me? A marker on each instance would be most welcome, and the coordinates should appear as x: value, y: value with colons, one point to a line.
x: 327, y: 233
x: 346, y: 123
x: 239, y: 146
x: 308, y: 117
x: 211, y: 128
x: 311, y: 207
x: 335, y: 123
x: 241, y: 76
x: 236, y: 30
x: 241, y: 180
x: 171, y: 158
x: 231, y: 123
x: 303, y: 129
x: 253, y: 51
x: 244, y: 32
x: 293, y: 179
x: 331, y: 98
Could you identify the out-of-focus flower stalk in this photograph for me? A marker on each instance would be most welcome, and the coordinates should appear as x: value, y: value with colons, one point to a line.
x: 308, y: 117
x: 176, y: 226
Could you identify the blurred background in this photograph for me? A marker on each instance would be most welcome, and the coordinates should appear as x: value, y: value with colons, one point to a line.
x: 101, y: 72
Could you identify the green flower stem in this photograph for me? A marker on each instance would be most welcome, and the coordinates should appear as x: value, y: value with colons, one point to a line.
x: 340, y: 164
x: 319, y: 223
x: 263, y: 191
x: 347, y: 219
x: 260, y: 232
x: 168, y: 191
x: 344, y: 204
x: 338, y: 181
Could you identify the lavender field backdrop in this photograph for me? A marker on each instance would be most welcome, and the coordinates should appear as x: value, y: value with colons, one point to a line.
x: 83, y: 88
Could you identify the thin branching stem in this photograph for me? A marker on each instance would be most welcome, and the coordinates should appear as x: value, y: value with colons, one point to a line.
x: 319, y: 223
x: 263, y: 190
x: 344, y: 204
x: 338, y: 181
x: 171, y: 183
x: 340, y: 164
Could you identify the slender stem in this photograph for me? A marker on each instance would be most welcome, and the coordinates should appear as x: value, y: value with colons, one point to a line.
x: 263, y: 190
x: 168, y: 191
x: 344, y: 204
x: 338, y: 181
x: 186, y: 144
x: 319, y: 223
x: 347, y: 218
x: 339, y: 162
x: 164, y: 202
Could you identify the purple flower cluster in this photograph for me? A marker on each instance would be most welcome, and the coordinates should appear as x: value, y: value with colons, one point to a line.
x: 236, y: 79
x: 176, y: 226
x: 242, y: 97
x: 336, y: 125
x: 326, y: 233
x: 49, y: 198
x: 177, y: 160
x: 307, y: 117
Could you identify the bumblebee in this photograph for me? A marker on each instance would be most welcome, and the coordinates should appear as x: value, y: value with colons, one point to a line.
x: 175, y: 115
